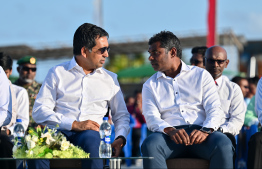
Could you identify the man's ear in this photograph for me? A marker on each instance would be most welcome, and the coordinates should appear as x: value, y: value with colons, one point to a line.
x: 227, y: 62
x: 173, y: 52
x: 84, y: 51
x: 11, y: 71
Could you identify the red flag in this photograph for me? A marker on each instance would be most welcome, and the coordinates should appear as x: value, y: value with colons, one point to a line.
x: 211, y: 36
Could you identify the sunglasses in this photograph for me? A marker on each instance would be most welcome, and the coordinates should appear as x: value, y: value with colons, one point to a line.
x: 246, y: 87
x: 195, y: 61
x: 102, y: 50
x: 212, y: 61
x: 28, y: 68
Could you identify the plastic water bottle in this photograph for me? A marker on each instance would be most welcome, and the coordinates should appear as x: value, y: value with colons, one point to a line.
x: 105, y: 150
x: 19, y: 131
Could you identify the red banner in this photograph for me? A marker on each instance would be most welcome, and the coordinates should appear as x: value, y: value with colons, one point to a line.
x: 211, y: 35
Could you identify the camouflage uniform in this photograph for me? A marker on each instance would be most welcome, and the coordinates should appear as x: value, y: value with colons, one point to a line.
x: 32, y: 91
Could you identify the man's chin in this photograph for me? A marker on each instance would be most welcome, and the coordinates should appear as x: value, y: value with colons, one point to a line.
x: 27, y: 80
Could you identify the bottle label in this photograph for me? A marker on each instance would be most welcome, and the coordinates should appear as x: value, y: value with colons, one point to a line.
x: 107, y: 140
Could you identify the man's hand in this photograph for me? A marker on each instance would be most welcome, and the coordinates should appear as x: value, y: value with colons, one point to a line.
x: 85, y: 125
x: 179, y: 136
x: 117, y: 146
x: 197, y: 137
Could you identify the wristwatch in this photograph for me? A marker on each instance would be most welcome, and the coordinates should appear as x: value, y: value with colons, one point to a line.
x: 206, y: 130
x: 220, y: 129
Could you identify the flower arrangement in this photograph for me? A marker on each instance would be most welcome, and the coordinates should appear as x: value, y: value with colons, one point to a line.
x: 41, y: 144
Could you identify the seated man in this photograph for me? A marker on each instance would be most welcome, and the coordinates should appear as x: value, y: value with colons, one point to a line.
x: 182, y: 107
x: 255, y: 142
x: 230, y: 94
x: 76, y: 95
x: 5, y: 118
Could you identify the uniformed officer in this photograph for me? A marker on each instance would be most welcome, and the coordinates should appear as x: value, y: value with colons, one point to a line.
x: 27, y: 71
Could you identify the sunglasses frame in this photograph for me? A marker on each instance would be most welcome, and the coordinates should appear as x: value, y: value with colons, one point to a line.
x: 25, y: 68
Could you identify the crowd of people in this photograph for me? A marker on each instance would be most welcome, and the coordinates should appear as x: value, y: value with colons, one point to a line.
x: 190, y: 110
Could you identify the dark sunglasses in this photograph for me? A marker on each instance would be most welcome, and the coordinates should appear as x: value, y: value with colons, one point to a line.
x: 102, y: 50
x: 212, y: 61
x: 28, y: 68
x: 196, y: 62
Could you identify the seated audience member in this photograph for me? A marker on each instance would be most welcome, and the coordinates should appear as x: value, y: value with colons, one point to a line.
x: 182, y: 108
x: 76, y: 95
x: 243, y: 84
x: 22, y: 100
x: 255, y: 142
x: 251, y: 115
x: 198, y: 54
x: 252, y: 84
x: 6, y: 116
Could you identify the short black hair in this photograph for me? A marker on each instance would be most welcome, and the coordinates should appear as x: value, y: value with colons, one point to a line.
x: 6, y: 61
x: 199, y: 50
x: 85, y: 36
x: 253, y: 80
x: 237, y: 79
x: 168, y: 41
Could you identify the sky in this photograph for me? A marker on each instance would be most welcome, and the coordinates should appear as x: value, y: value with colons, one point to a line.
x: 52, y: 23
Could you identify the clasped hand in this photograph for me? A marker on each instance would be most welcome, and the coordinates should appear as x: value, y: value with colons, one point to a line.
x: 180, y: 136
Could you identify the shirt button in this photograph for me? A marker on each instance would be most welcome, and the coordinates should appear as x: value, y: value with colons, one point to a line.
x: 176, y: 92
x: 182, y: 110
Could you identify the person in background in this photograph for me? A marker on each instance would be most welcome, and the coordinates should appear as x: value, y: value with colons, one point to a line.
x: 136, y: 112
x: 198, y: 54
x: 5, y: 118
x: 252, y: 84
x: 230, y: 94
x: 255, y: 142
x: 27, y: 71
x: 22, y: 100
x: 182, y: 108
x: 76, y: 95
x: 243, y: 84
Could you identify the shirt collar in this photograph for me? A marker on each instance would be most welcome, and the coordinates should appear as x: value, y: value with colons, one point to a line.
x: 184, y: 68
x: 73, y: 64
x: 219, y: 81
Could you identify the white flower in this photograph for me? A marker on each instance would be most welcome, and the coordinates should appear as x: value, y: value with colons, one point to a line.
x: 35, y: 138
x: 29, y: 152
x: 14, y: 149
x: 65, y: 145
x: 48, y: 136
x: 63, y: 138
x: 27, y: 138
x: 30, y: 144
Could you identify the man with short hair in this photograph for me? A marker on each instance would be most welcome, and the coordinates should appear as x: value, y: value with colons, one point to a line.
x: 198, y: 54
x: 182, y: 107
x: 252, y: 85
x: 22, y: 100
x: 27, y: 71
x: 76, y: 96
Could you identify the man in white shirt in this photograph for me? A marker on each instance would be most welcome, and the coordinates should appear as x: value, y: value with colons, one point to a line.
x: 230, y: 94
x: 76, y: 95
x: 182, y: 107
x: 5, y: 118
x: 22, y: 100
x: 255, y: 142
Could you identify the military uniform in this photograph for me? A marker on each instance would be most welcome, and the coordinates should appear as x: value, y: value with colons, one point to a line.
x: 32, y: 89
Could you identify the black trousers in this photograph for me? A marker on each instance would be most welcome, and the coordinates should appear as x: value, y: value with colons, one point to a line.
x: 6, y: 147
x: 254, y: 159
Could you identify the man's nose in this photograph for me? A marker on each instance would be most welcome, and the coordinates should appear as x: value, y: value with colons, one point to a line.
x: 150, y: 58
x: 106, y: 54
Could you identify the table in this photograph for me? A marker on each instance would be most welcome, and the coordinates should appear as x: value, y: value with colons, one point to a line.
x: 114, y: 163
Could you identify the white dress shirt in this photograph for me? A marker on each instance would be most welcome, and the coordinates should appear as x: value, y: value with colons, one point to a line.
x: 189, y: 98
x: 233, y: 105
x: 6, y: 99
x: 68, y: 94
x: 258, y: 101
x: 22, y: 112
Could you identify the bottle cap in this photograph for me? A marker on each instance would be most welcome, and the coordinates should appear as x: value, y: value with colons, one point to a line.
x: 18, y: 120
x: 105, y: 118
